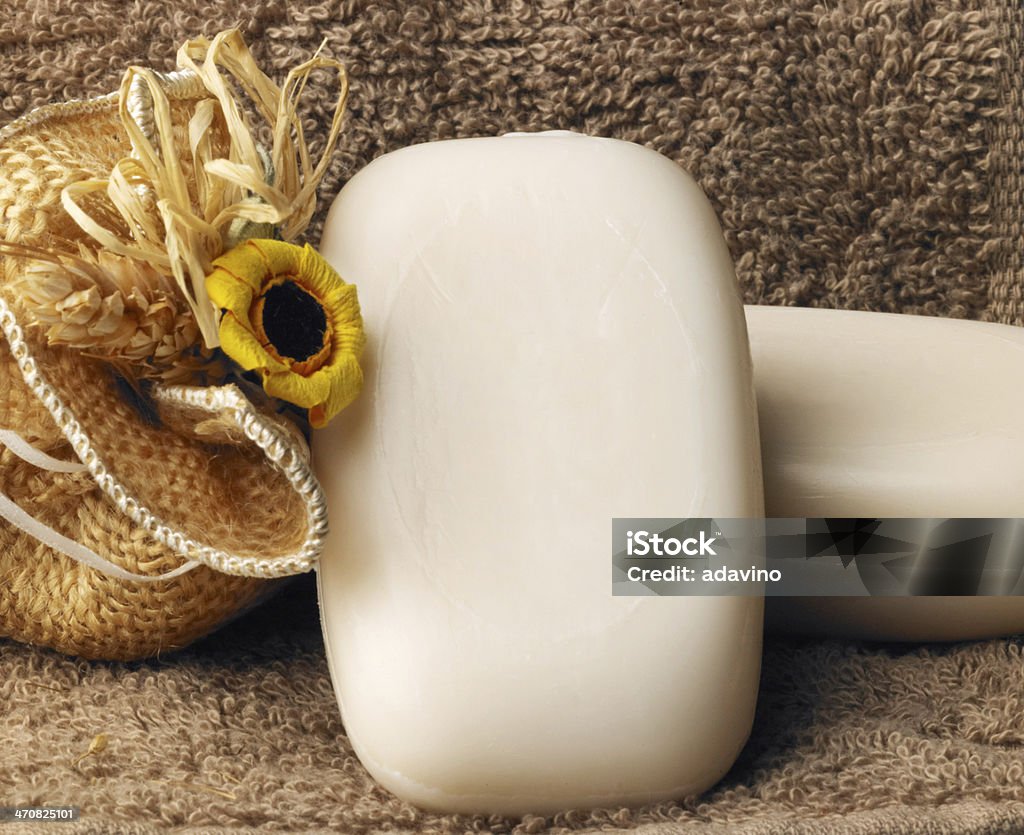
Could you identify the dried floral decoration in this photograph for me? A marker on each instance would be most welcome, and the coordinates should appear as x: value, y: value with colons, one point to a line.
x: 172, y: 219
x: 150, y: 487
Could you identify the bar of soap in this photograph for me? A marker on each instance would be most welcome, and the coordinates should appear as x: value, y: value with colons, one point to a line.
x: 554, y: 339
x: 871, y: 415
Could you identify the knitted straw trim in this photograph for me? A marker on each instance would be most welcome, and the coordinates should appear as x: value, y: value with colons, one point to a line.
x: 57, y: 112
x: 283, y: 454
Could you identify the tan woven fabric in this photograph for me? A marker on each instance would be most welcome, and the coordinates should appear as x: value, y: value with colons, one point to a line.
x: 860, y: 154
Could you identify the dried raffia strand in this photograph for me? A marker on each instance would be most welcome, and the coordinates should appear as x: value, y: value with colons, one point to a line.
x: 203, y: 787
x: 304, y: 204
x: 290, y: 199
x: 187, y: 238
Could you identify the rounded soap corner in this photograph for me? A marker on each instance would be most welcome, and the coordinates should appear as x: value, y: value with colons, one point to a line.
x: 683, y: 174
x: 666, y: 168
x: 384, y: 161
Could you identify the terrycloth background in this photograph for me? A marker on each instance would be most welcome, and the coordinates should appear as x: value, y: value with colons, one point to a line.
x: 860, y: 154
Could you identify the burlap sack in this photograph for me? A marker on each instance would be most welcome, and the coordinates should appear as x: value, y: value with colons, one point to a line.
x: 237, y: 498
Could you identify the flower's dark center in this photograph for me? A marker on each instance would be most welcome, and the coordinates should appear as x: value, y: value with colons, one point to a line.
x: 293, y: 320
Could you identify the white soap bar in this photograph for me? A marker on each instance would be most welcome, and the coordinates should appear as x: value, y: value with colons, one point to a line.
x: 871, y: 415
x: 554, y: 339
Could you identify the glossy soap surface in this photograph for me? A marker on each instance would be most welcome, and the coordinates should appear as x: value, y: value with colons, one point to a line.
x: 879, y: 415
x: 554, y: 339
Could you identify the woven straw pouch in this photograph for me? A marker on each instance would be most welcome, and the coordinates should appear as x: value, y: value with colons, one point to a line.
x: 138, y: 516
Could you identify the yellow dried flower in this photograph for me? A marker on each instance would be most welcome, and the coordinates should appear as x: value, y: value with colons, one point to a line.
x: 288, y: 315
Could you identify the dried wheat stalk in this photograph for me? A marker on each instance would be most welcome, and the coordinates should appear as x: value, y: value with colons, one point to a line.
x: 116, y: 308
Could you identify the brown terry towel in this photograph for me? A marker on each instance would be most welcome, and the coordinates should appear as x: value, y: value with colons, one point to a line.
x: 860, y: 154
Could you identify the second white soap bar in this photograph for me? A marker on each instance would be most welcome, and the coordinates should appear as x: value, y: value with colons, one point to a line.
x: 554, y: 339
x: 878, y: 415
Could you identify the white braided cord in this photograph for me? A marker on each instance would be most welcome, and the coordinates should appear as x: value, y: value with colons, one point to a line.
x: 227, y: 401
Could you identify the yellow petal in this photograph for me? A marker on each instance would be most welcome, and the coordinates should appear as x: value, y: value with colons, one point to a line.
x: 343, y: 303
x: 346, y: 381
x: 318, y: 274
x: 243, y: 266
x: 348, y: 339
x: 302, y: 391
x: 229, y: 292
x: 241, y: 344
x: 274, y: 257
